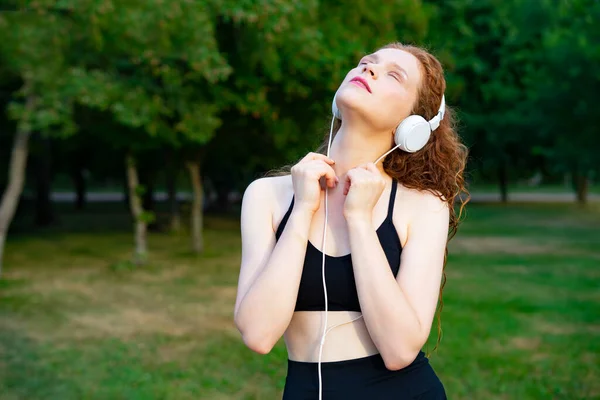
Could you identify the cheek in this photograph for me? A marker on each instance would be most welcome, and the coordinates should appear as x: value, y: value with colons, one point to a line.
x: 396, y: 103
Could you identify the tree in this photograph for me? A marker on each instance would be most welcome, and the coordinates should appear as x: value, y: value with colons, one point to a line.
x: 564, y: 90
x: 156, y: 67
x: 490, y: 47
x: 285, y: 78
x: 32, y: 51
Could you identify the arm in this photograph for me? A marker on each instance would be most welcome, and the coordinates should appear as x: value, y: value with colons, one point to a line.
x: 399, y: 312
x: 270, y: 271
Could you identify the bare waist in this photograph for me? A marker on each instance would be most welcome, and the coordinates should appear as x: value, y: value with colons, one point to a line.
x: 345, y: 342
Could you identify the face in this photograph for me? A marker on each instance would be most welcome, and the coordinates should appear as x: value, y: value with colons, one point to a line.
x: 382, y: 88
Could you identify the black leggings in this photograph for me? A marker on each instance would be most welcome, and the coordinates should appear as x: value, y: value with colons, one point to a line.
x: 363, y: 378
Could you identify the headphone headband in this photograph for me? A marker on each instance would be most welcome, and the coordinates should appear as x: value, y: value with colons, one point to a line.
x: 434, y: 123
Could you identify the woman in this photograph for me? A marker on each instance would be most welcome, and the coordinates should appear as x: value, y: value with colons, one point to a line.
x: 387, y: 231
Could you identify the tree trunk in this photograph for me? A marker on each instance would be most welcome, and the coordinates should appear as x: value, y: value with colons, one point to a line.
x: 175, y: 215
x: 196, y: 212
x: 135, y: 203
x: 80, y: 189
x: 503, y: 180
x: 16, y: 178
x: 44, y: 214
x: 581, y: 187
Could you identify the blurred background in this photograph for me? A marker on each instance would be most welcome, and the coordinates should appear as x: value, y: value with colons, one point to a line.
x: 129, y: 131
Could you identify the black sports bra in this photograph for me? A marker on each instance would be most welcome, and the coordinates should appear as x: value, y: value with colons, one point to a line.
x: 339, y: 274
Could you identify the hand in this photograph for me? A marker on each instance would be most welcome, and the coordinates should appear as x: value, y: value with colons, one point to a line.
x: 306, y: 176
x: 363, y: 187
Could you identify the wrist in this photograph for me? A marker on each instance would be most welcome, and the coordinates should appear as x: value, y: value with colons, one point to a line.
x: 301, y: 212
x: 359, y: 221
x: 299, y: 221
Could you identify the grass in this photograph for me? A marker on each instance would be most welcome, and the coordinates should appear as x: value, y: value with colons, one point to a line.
x: 524, y: 188
x: 520, y: 319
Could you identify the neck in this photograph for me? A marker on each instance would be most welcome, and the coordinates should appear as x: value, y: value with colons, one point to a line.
x: 356, y: 145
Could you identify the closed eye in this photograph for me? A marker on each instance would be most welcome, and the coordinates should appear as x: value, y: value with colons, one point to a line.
x: 396, y: 76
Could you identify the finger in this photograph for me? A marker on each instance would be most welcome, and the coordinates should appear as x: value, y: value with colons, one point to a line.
x: 347, y: 184
x: 329, y: 175
x: 317, y: 156
x: 350, y: 176
x: 320, y: 169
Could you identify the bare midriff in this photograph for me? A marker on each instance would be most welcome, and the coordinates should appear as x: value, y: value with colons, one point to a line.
x: 348, y: 341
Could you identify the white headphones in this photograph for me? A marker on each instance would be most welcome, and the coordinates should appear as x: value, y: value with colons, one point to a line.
x: 413, y: 132
x: 411, y: 135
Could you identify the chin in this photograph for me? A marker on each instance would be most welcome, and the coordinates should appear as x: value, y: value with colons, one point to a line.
x: 351, y: 102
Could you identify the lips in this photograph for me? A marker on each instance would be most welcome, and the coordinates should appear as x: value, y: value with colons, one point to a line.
x: 361, y: 82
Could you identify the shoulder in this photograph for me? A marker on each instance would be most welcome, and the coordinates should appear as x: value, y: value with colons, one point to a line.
x: 268, y: 194
x: 418, y: 204
x: 269, y: 187
x: 423, y: 219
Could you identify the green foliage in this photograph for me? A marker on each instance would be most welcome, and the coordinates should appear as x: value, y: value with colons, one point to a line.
x: 522, y: 74
x: 151, y: 65
x: 32, y: 47
x: 148, y: 217
x: 288, y: 80
x: 155, y: 74
x: 140, y: 190
x: 145, y: 62
x: 564, y: 88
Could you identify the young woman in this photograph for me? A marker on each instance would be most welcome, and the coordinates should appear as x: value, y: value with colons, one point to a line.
x: 387, y: 229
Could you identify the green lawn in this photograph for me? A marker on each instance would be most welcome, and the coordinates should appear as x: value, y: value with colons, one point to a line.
x: 521, y: 318
x: 524, y: 188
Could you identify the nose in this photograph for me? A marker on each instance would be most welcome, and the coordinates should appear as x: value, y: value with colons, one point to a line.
x: 371, y: 69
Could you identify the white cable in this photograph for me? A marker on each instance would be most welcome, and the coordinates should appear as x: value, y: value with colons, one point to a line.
x: 323, y: 272
x: 325, y: 330
x: 389, y: 151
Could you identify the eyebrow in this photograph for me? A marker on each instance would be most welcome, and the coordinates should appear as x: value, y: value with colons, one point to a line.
x: 395, y: 64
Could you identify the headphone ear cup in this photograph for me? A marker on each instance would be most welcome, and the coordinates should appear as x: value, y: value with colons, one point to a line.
x: 334, y: 108
x: 412, y: 134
